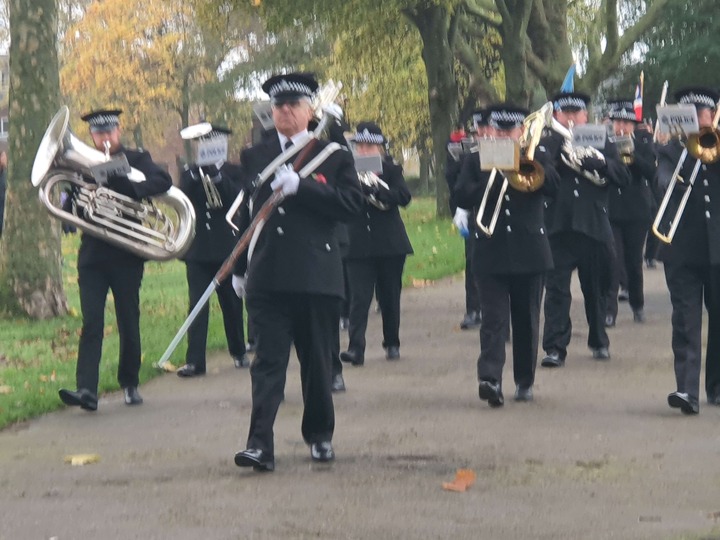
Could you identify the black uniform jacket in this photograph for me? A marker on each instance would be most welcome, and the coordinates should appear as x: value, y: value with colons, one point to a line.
x: 94, y: 250
x: 297, y: 248
x: 635, y: 202
x: 381, y: 233
x: 520, y: 243
x: 214, y: 238
x: 579, y: 205
x: 697, y: 239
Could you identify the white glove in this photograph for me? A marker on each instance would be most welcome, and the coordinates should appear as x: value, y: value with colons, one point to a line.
x: 461, y: 221
x: 238, y: 284
x: 286, y: 180
x: 334, y: 110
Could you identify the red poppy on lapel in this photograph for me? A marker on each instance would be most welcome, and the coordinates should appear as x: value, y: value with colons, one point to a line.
x: 319, y: 178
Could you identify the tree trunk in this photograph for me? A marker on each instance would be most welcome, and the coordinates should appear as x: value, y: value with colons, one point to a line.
x: 432, y: 23
x: 515, y: 16
x: 424, y: 171
x: 30, y: 252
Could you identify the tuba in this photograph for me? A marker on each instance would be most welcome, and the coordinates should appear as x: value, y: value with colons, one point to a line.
x: 63, y: 162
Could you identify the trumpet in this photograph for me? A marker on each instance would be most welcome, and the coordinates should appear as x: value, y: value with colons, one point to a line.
x: 371, y: 180
x: 212, y: 194
x: 626, y: 147
x: 573, y: 155
x: 705, y: 148
x: 529, y: 175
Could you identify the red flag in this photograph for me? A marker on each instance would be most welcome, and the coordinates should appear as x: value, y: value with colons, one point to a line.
x: 637, y: 104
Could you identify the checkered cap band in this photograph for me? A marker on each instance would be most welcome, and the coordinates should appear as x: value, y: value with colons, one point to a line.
x: 567, y: 102
x: 104, y: 120
x: 505, y: 119
x: 285, y: 86
x: 370, y: 138
x: 696, y: 98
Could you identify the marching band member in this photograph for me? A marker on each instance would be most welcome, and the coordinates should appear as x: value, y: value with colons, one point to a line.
x: 692, y: 263
x: 580, y: 233
x: 509, y: 265
x: 211, y: 187
x: 630, y: 210
x: 294, y: 278
x: 102, y: 266
x: 378, y: 247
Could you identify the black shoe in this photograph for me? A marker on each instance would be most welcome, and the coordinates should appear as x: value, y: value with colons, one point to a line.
x: 552, y: 359
x: 132, y: 396
x: 523, y: 393
x: 344, y: 323
x: 189, y: 370
x: 352, y: 357
x: 714, y: 400
x: 322, y: 452
x: 470, y: 320
x: 650, y: 263
x: 680, y: 400
x: 601, y: 353
x: 255, y: 458
x: 623, y: 295
x: 392, y: 353
x: 83, y: 398
x: 490, y: 392
x: 241, y: 361
x: 609, y: 321
x: 639, y: 315
x: 250, y: 347
x: 338, y: 383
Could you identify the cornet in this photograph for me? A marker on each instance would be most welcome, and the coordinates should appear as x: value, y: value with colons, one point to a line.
x: 212, y: 195
x: 140, y: 227
x: 573, y: 155
x: 370, y: 179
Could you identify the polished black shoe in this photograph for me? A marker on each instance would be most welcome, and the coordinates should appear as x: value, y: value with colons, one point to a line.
x: 601, y: 353
x: 490, y: 392
x: 338, y: 383
x: 392, y: 353
x: 609, y: 321
x: 680, y: 400
x: 322, y: 452
x: 189, y: 370
x: 523, y: 393
x: 623, y: 295
x: 132, y: 396
x: 344, y: 323
x: 470, y: 320
x: 552, y: 359
x: 255, y: 458
x: 714, y: 400
x: 241, y: 361
x: 83, y: 398
x: 250, y: 346
x: 352, y: 357
x: 639, y: 315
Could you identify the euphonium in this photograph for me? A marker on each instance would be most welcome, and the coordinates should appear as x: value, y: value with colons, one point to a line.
x: 63, y: 161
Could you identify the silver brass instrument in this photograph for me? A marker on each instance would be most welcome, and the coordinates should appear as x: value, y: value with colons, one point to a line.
x: 212, y: 195
x: 370, y: 179
x: 326, y: 95
x: 529, y: 176
x: 573, y: 155
x: 626, y: 147
x: 705, y: 148
x: 63, y: 161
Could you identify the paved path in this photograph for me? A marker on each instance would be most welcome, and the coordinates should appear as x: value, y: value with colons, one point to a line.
x: 597, y: 455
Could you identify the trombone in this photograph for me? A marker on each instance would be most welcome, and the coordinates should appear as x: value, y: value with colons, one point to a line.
x: 705, y: 148
x: 529, y: 175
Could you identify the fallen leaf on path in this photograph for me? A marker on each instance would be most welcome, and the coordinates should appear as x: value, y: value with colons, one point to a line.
x: 81, y: 459
x: 464, y: 478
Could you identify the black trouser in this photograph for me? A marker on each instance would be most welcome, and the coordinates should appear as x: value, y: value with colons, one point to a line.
x: 123, y: 278
x: 308, y: 320
x: 384, y: 275
x: 652, y: 246
x: 503, y: 299
x: 592, y: 259
x: 627, y: 268
x: 199, y: 276
x: 689, y: 286
x: 472, y: 300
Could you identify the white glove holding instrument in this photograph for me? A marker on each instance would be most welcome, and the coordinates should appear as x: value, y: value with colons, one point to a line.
x: 333, y: 109
x: 286, y: 180
x: 238, y: 284
x: 461, y: 221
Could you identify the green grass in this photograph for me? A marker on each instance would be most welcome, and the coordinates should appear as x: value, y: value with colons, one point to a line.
x: 38, y: 357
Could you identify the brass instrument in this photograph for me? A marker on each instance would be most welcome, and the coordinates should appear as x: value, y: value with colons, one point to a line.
x: 326, y: 95
x: 626, y: 147
x: 212, y: 194
x: 705, y: 148
x: 573, y: 155
x: 140, y: 227
x: 529, y: 175
x: 372, y: 180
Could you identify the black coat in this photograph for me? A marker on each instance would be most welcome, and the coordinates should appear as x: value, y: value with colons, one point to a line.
x: 297, y: 249
x: 93, y: 250
x: 214, y: 238
x: 520, y: 243
x: 579, y: 205
x: 635, y: 202
x: 697, y: 239
x: 381, y: 233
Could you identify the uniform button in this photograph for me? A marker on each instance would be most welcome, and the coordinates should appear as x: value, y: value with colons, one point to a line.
x: 707, y: 198
x: 704, y: 167
x: 707, y: 214
x: 508, y: 228
x: 368, y: 227
x: 281, y: 210
x: 575, y: 192
x: 368, y: 214
x: 207, y: 226
x: 705, y: 183
x: 542, y: 231
x: 619, y: 191
x: 507, y: 212
x: 280, y: 231
x: 207, y: 214
x: 507, y: 197
x: 327, y: 247
x: 545, y: 204
x: 576, y: 180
